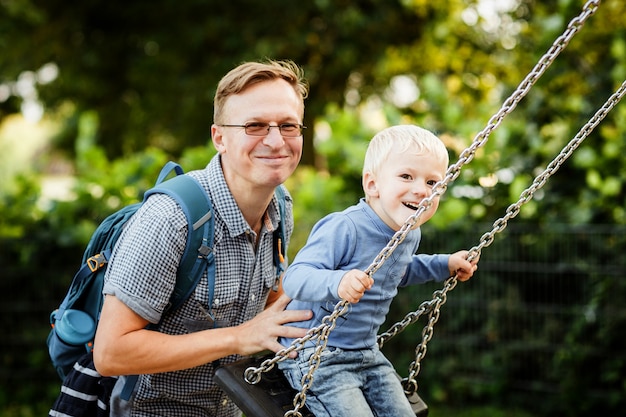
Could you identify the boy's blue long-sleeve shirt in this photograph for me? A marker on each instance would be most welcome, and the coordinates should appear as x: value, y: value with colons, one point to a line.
x: 347, y: 240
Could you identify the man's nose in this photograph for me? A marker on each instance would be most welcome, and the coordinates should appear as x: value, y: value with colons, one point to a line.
x: 274, y: 138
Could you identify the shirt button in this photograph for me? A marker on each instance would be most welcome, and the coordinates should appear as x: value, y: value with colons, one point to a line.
x: 252, y: 297
x: 216, y: 303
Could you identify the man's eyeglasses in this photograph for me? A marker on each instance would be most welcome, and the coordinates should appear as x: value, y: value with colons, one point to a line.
x: 288, y: 130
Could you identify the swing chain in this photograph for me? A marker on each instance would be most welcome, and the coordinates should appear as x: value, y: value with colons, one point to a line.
x: 306, y: 382
x: 481, y: 138
x: 253, y: 374
x: 453, y: 172
x: 329, y: 322
x: 439, y: 297
x: 433, y: 306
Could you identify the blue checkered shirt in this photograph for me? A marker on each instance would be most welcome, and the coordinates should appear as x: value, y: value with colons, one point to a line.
x: 142, y: 274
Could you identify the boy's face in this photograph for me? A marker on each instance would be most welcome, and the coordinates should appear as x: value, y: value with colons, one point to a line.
x: 404, y: 180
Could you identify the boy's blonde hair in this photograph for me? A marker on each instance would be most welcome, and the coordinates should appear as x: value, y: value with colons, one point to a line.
x: 402, y: 138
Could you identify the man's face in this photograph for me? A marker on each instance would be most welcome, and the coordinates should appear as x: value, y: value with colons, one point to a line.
x: 259, y: 161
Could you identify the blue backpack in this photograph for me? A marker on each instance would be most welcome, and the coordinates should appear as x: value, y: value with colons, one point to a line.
x: 74, y: 322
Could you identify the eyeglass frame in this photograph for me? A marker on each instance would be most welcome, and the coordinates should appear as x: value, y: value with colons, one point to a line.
x: 280, y: 127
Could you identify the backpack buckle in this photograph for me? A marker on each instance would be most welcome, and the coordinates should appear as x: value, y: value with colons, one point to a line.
x: 96, y: 262
x: 204, y: 251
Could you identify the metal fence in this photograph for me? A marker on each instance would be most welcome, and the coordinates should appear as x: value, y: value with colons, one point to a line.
x: 541, y: 325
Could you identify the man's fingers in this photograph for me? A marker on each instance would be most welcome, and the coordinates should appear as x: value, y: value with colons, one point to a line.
x: 289, y: 316
x: 280, y: 303
x: 292, y: 332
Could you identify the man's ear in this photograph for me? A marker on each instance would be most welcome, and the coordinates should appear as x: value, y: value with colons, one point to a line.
x: 370, y: 186
x: 217, y: 138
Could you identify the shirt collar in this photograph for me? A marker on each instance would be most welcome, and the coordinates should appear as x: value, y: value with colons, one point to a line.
x: 226, y: 207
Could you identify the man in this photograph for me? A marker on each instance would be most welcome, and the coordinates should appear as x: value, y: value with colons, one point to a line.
x: 257, y: 131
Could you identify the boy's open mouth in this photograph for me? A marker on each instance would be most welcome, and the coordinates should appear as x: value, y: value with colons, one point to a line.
x: 411, y: 205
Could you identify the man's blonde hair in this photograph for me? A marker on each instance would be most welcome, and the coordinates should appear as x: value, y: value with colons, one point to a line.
x: 251, y: 73
x: 402, y: 138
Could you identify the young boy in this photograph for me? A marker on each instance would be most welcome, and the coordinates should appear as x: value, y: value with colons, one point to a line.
x: 402, y: 164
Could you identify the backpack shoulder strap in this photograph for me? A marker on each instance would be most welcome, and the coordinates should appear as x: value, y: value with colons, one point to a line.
x: 198, y: 254
x: 280, y: 246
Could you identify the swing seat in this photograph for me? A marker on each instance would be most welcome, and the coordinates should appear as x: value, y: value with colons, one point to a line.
x: 272, y: 396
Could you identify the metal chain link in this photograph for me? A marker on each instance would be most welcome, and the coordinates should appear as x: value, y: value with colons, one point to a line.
x: 253, y: 374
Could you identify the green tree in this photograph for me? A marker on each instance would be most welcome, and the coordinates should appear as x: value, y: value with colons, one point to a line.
x: 149, y: 69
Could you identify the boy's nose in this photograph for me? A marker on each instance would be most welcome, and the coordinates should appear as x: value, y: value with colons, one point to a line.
x: 420, y: 189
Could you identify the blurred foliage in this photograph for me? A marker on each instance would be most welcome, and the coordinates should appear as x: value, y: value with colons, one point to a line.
x: 150, y: 68
x: 134, y: 89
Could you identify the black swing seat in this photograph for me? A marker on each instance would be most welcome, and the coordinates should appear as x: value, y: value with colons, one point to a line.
x: 272, y: 396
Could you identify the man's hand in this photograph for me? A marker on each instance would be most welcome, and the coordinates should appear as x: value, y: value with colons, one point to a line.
x: 353, y: 285
x: 262, y: 332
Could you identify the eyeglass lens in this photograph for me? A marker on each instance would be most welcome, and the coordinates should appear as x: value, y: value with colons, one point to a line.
x: 286, y: 129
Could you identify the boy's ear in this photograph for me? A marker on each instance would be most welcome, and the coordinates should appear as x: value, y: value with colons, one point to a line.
x: 370, y: 187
